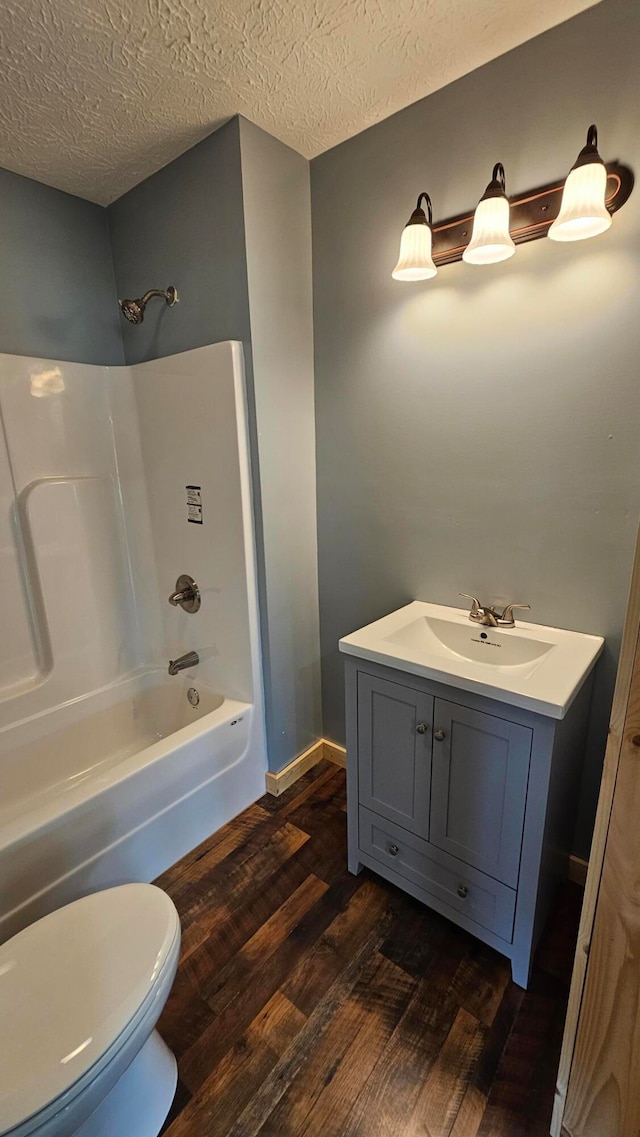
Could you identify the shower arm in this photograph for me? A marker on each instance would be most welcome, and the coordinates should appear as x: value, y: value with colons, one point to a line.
x: 168, y: 294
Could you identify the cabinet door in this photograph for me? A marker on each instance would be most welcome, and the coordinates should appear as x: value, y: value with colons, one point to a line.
x: 479, y: 788
x: 394, y: 752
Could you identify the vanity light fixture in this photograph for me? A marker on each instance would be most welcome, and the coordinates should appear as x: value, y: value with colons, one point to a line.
x: 570, y: 210
x: 490, y: 240
x: 583, y: 212
x: 415, y: 261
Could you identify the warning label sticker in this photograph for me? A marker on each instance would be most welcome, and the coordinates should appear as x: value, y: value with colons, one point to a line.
x: 194, y: 504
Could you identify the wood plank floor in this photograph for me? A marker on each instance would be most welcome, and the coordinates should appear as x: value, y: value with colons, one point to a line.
x: 309, y: 1001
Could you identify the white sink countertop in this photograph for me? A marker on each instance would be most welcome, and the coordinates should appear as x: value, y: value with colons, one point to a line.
x: 530, y: 666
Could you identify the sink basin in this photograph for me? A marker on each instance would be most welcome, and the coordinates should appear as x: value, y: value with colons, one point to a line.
x: 488, y: 646
x: 538, y: 668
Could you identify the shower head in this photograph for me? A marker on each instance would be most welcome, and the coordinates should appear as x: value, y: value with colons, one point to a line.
x: 133, y: 310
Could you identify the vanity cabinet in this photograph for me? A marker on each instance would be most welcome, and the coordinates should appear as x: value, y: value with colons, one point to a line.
x: 464, y: 802
x: 479, y: 788
x: 395, y: 727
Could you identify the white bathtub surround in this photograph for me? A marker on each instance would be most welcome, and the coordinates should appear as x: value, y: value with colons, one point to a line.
x: 108, y: 772
x: 62, y: 546
x: 118, y: 786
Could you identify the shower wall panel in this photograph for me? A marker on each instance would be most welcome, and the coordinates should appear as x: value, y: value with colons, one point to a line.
x: 132, y: 485
x: 67, y: 610
x: 95, y: 465
x: 189, y: 433
x: 72, y: 527
x: 18, y: 660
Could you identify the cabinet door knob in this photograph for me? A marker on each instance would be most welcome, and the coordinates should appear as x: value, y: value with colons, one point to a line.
x: 422, y: 728
x: 463, y: 891
x: 440, y: 735
x: 393, y: 850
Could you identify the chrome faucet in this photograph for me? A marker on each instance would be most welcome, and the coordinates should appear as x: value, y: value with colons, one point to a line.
x: 486, y: 613
x: 190, y: 659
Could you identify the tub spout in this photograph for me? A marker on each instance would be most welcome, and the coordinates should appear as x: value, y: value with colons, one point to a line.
x: 183, y: 661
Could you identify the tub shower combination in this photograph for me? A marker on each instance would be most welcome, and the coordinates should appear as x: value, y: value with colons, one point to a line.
x: 115, y: 483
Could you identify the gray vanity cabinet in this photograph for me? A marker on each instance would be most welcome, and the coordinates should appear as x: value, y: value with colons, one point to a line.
x: 479, y: 788
x: 464, y: 802
x: 395, y: 726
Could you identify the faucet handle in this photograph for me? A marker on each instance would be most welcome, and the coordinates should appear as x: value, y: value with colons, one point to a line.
x: 187, y: 594
x: 506, y: 619
x: 476, y: 606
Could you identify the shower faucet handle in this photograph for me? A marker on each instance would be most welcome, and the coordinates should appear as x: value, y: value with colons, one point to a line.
x: 187, y: 594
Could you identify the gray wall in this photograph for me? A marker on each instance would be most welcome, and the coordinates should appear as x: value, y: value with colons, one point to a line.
x: 277, y: 211
x: 479, y: 432
x: 56, y: 275
x: 222, y: 222
x: 184, y: 226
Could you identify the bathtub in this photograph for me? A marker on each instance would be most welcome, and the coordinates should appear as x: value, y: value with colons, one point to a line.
x: 117, y: 786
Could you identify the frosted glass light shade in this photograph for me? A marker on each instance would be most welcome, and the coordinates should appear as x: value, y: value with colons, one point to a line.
x: 415, y: 261
x: 490, y: 239
x: 583, y: 212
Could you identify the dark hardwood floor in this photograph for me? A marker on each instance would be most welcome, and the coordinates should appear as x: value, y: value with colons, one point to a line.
x: 309, y: 1001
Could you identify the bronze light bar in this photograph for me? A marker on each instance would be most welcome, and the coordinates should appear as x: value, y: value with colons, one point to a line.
x: 530, y: 215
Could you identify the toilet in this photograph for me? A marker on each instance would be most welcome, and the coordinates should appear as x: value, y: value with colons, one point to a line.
x: 81, y: 991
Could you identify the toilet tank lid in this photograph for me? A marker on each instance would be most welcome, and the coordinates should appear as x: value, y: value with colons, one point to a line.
x: 70, y: 985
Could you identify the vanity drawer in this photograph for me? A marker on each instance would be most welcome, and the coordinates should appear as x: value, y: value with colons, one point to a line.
x: 466, y: 890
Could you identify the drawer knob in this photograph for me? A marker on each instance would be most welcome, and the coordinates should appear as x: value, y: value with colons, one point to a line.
x: 440, y: 735
x: 393, y: 850
x: 463, y: 891
x: 422, y: 728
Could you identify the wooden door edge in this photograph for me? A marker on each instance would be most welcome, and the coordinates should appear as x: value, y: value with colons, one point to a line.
x: 628, y: 649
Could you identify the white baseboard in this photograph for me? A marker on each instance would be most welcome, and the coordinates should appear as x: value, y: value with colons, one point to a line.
x: 278, y: 783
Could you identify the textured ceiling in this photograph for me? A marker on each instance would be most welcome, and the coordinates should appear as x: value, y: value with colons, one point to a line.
x: 97, y: 94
